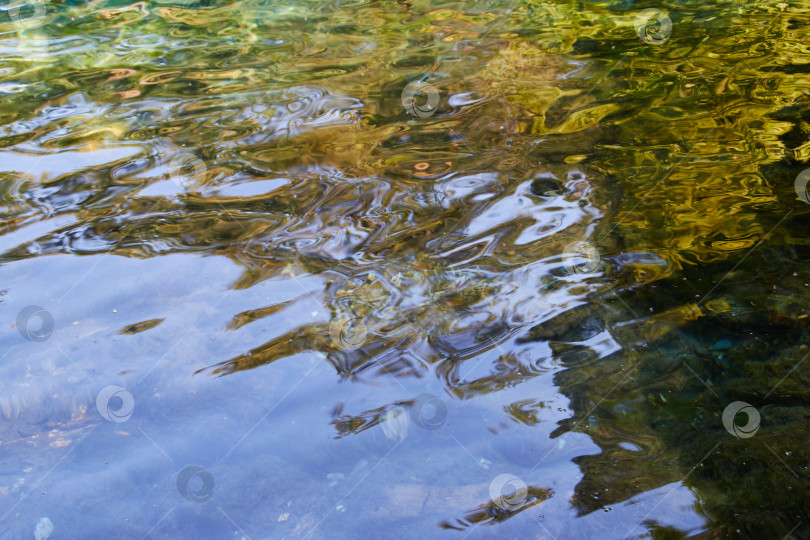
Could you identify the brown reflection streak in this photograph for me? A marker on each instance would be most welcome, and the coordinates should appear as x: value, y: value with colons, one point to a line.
x: 491, y: 513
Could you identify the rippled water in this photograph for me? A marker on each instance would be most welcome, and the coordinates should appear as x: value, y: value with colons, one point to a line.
x: 438, y: 269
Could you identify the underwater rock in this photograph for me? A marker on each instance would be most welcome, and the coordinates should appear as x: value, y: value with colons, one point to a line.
x: 577, y: 324
x: 545, y: 186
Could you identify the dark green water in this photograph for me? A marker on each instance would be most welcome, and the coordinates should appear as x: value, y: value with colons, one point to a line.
x: 404, y: 269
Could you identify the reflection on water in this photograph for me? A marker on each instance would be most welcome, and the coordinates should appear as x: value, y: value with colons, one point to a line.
x: 301, y: 270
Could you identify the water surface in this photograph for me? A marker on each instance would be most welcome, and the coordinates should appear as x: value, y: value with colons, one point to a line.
x: 428, y: 269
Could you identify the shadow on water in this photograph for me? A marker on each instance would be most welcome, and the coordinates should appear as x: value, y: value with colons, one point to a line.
x: 313, y: 269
